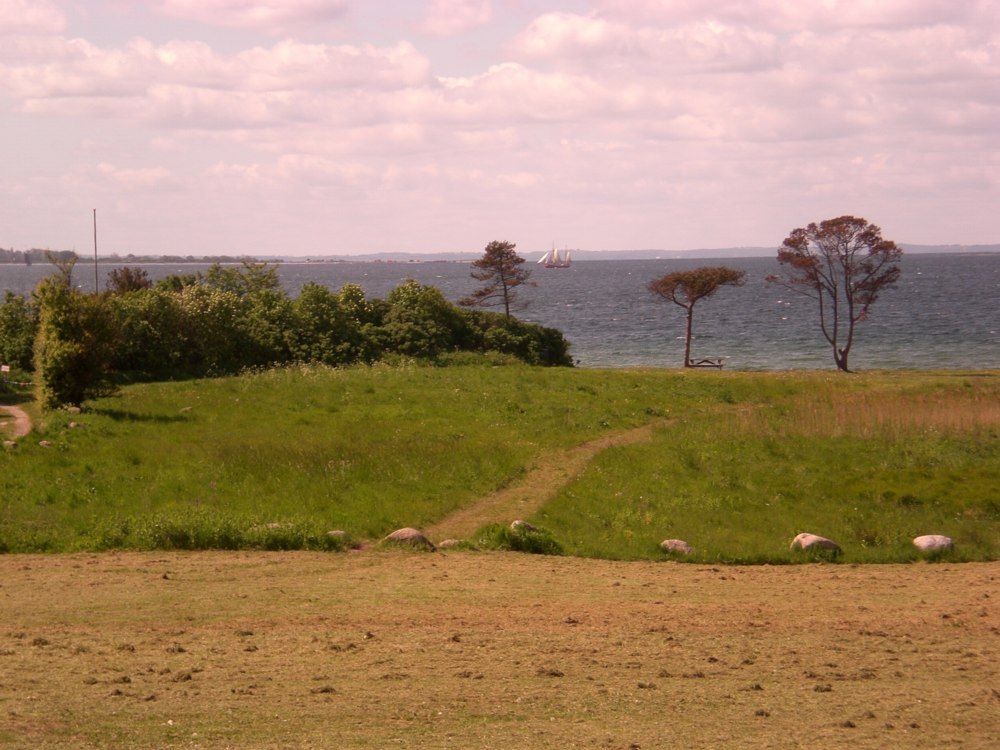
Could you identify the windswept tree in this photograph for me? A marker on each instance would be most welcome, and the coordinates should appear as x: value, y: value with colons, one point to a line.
x: 686, y: 288
x: 128, y: 279
x: 500, y: 268
x: 843, y: 264
x: 64, y: 261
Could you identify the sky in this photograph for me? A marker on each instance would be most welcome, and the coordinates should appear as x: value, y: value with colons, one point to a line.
x: 339, y: 127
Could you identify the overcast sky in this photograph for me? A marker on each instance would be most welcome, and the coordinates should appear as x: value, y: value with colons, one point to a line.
x: 308, y: 127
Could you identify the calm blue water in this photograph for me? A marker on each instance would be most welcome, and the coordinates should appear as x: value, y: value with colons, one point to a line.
x: 943, y: 313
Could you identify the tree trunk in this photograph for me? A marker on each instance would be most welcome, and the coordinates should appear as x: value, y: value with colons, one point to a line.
x: 687, y: 336
x: 840, y: 357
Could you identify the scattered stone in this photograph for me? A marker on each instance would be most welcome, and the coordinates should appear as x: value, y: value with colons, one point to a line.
x: 410, y: 537
x: 520, y: 525
x: 73, y: 409
x: 678, y: 546
x: 44, y: 444
x: 806, y: 541
x: 449, y: 543
x: 8, y: 445
x: 185, y: 409
x: 933, y: 543
x: 75, y: 425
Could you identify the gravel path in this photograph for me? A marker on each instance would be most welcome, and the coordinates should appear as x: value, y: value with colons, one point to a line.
x: 22, y: 422
x: 541, y: 482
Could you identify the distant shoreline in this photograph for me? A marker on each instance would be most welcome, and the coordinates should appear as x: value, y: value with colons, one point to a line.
x: 732, y: 253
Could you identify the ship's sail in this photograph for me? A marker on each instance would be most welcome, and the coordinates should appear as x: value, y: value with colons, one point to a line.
x: 556, y: 259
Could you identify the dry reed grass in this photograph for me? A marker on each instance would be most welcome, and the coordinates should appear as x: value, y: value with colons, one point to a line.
x: 882, y: 413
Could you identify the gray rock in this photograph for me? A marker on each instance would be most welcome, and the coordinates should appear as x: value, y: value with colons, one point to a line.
x: 676, y: 545
x: 933, y: 542
x: 409, y: 536
x: 806, y: 541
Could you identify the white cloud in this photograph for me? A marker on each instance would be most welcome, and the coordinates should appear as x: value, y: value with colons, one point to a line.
x: 451, y: 17
x: 268, y: 16
x: 700, y: 46
x: 143, y: 178
x: 637, y: 122
x: 781, y: 15
x: 30, y: 17
x: 187, y: 84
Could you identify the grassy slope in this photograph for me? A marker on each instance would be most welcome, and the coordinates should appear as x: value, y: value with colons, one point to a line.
x: 741, y: 463
x: 870, y: 461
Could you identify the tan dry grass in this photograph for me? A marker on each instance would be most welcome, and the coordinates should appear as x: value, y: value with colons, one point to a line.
x: 473, y: 650
x: 879, y: 414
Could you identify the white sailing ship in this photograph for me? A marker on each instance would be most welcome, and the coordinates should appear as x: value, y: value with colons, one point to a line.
x: 555, y: 258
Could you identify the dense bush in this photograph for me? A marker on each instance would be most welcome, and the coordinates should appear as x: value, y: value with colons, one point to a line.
x: 18, y: 321
x: 231, y: 319
x: 73, y: 345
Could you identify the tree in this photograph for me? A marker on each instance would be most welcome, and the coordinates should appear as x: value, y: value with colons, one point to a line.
x: 249, y: 279
x: 73, y: 346
x: 686, y: 288
x: 843, y: 264
x: 500, y: 268
x: 128, y: 279
x: 18, y: 323
x: 64, y: 262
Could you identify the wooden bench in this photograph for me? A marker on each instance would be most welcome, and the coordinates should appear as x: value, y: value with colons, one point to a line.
x: 716, y: 363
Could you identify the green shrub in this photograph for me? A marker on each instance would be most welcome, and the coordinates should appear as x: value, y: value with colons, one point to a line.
x: 73, y: 345
x: 188, y: 529
x: 496, y: 536
x: 18, y: 324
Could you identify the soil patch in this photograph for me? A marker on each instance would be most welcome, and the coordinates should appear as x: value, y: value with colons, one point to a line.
x: 21, y: 424
x: 490, y: 650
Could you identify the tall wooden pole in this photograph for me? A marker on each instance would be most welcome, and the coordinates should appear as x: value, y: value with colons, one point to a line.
x: 96, y: 287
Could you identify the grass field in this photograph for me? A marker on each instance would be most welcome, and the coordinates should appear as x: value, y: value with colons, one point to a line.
x: 373, y: 649
x: 379, y: 648
x: 735, y: 463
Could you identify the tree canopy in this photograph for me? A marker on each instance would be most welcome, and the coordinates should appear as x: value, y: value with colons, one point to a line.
x: 844, y: 264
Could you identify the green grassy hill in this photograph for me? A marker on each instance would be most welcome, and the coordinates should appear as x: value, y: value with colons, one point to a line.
x: 737, y: 462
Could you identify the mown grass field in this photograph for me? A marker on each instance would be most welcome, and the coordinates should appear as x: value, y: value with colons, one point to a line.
x: 459, y: 650
x: 736, y: 463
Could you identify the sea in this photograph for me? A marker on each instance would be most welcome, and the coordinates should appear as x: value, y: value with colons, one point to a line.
x: 944, y: 313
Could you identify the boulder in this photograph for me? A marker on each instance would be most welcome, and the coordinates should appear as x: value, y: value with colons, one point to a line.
x: 411, y: 537
x: 933, y: 542
x: 806, y: 541
x: 676, y: 545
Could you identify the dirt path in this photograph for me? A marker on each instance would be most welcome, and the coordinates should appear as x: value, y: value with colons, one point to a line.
x: 22, y: 422
x: 542, y: 481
